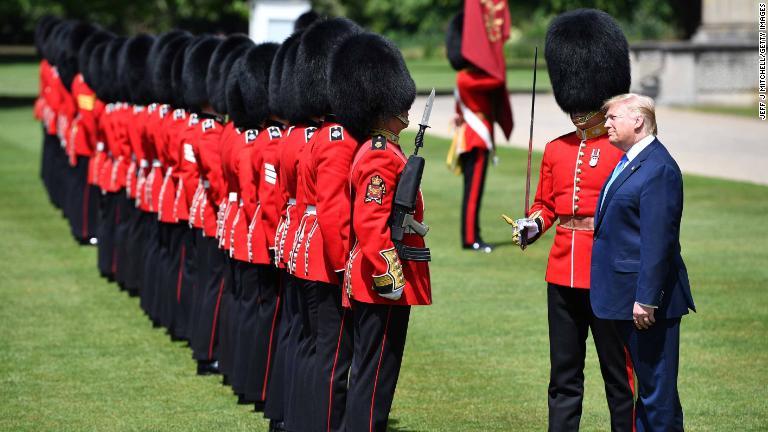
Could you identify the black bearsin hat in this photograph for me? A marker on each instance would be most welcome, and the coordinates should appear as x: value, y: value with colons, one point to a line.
x: 153, y: 60
x: 282, y: 91
x: 318, y: 43
x: 197, y: 56
x: 218, y: 68
x: 453, y: 37
x: 111, y: 88
x: 132, y: 69
x: 87, y: 50
x: 248, y: 86
x: 163, y: 78
x: 587, y: 58
x: 368, y: 82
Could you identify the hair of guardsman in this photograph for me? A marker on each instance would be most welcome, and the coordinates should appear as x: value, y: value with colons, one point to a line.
x: 218, y: 68
x: 453, y: 35
x: 252, y: 75
x: 197, y: 56
x: 637, y: 104
x: 587, y: 59
x: 318, y: 43
x: 368, y: 82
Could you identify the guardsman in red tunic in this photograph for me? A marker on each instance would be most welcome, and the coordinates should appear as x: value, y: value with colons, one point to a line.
x: 583, y: 43
x: 322, y: 242
x: 380, y: 285
x: 109, y: 125
x: 481, y: 101
x: 214, y: 169
x: 280, y: 103
x: 82, y: 145
x: 45, y: 40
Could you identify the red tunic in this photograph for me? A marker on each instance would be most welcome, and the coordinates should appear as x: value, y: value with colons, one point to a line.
x: 373, y: 178
x: 135, y: 128
x: 174, y: 125
x: 324, y: 240
x: 244, y: 188
x: 82, y: 138
x: 572, y: 173
x: 265, y: 165
x: 154, y: 180
x: 291, y: 210
x: 43, y: 87
x: 229, y: 204
x: 208, y: 155
x: 482, y: 100
x: 189, y: 184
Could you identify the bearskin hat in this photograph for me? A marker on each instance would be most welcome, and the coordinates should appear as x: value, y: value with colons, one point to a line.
x: 218, y: 68
x: 54, y: 41
x: 305, y: 20
x: 113, y: 91
x: 587, y: 58
x: 132, y: 68
x: 311, y: 70
x: 248, y: 86
x: 68, y: 66
x: 95, y: 76
x: 163, y: 68
x: 86, y: 52
x: 197, y: 56
x: 453, y: 36
x: 276, y: 73
x: 290, y: 103
x: 368, y: 82
x: 154, y: 57
x: 42, y: 29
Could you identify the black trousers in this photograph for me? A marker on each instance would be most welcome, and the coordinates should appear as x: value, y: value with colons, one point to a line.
x: 300, y: 411
x: 379, y: 339
x: 107, y: 222
x: 204, y: 342
x: 83, y: 202
x: 285, y: 350
x: 136, y: 244
x: 333, y: 358
x: 570, y: 318
x: 185, y: 288
x: 260, y: 300
x: 474, y: 165
x: 124, y: 213
x: 227, y: 322
x: 151, y: 266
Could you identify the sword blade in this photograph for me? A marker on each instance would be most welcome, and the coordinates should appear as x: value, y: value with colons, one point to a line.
x: 530, y: 136
x: 428, y: 108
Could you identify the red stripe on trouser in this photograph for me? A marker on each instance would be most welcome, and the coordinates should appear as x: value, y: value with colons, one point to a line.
x: 215, y: 318
x: 269, y: 348
x: 181, y: 271
x: 474, y: 192
x: 333, y: 370
x: 378, y: 367
x: 86, y: 196
x: 631, y: 379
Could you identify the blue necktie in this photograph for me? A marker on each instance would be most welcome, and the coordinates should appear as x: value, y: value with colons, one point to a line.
x: 619, y: 167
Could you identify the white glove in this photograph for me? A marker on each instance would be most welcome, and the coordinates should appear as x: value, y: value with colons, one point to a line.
x: 394, y: 295
x: 533, y: 227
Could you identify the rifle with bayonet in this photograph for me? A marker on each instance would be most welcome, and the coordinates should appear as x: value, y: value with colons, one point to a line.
x: 402, y: 220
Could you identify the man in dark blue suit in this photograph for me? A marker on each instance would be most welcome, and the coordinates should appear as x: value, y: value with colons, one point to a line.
x: 638, y: 277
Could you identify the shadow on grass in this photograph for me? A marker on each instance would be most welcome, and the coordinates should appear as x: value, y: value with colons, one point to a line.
x: 392, y: 426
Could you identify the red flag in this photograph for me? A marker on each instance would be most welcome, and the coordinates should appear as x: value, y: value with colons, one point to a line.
x: 486, y: 28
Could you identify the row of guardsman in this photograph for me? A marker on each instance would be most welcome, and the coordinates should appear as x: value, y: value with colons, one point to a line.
x: 244, y: 192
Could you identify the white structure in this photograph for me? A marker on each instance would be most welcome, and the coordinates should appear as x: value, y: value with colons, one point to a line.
x: 272, y: 20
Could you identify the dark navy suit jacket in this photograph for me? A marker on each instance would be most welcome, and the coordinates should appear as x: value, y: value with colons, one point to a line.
x: 636, y: 249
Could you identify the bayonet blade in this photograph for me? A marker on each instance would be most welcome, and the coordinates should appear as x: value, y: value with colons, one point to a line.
x: 428, y: 108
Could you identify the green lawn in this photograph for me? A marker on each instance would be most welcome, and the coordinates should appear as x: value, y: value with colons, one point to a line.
x: 77, y: 354
x: 18, y: 79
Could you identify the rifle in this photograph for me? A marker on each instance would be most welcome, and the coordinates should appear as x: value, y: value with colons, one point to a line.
x: 401, y: 221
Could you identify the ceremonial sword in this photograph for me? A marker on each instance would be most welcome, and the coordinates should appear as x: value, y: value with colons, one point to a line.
x: 527, y: 208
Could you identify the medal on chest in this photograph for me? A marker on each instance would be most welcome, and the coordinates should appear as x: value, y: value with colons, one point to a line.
x: 594, y: 158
